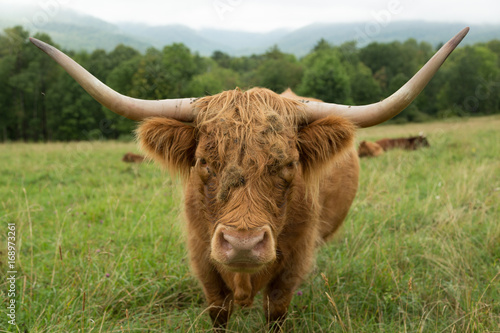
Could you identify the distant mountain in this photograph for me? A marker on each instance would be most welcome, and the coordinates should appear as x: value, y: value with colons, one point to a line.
x: 159, y: 36
x: 70, y: 29
x: 301, y: 41
x: 205, y: 41
x: 76, y: 31
x: 240, y: 42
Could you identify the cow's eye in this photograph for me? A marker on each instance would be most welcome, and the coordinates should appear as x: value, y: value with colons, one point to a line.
x: 288, y: 172
x: 204, y: 170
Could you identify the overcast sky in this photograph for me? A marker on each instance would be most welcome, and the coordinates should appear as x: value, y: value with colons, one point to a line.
x: 266, y: 15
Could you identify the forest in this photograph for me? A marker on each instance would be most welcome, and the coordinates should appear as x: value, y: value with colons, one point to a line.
x: 40, y: 102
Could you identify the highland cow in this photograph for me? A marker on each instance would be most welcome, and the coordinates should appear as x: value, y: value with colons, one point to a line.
x: 267, y: 178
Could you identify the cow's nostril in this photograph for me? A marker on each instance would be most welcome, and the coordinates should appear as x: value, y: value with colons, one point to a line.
x: 224, y: 243
x: 262, y: 243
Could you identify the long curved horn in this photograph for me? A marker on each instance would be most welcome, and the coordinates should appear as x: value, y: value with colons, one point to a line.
x: 376, y: 113
x: 132, y: 108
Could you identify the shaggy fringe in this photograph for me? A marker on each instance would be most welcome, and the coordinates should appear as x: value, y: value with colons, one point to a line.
x: 245, y: 119
x: 257, y: 120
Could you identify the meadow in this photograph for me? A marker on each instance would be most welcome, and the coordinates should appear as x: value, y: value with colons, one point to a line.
x: 100, y: 243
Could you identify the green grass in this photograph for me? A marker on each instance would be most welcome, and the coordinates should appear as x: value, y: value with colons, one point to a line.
x: 101, y: 243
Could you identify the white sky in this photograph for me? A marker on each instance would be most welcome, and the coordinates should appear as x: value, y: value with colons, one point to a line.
x: 266, y: 15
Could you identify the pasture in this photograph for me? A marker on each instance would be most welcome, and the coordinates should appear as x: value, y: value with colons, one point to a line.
x: 101, y: 246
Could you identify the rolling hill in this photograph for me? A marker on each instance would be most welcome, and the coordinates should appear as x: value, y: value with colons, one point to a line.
x: 77, y: 31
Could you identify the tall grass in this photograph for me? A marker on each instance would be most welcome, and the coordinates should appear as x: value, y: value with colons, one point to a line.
x: 101, y: 243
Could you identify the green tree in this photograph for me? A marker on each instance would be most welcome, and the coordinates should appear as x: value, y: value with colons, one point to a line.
x: 179, y: 66
x: 494, y: 46
x: 149, y: 81
x: 278, y: 71
x: 13, y: 62
x: 213, y: 81
x: 222, y: 59
x: 78, y: 115
x: 325, y: 77
x: 472, y: 82
x: 123, y: 64
x: 25, y: 75
x: 322, y: 45
x: 388, y: 60
x: 364, y: 88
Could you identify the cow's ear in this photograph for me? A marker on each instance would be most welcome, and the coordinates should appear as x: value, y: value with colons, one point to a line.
x: 323, y: 140
x: 169, y: 142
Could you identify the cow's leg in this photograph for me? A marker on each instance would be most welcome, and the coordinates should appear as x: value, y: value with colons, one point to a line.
x: 294, y: 263
x: 294, y: 268
x: 277, y: 297
x: 219, y: 298
x: 217, y: 293
x: 220, y: 309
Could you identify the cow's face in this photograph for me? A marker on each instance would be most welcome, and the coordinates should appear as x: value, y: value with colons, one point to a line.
x: 247, y: 170
x: 422, y: 141
x: 368, y: 149
x: 246, y: 155
x: 364, y: 149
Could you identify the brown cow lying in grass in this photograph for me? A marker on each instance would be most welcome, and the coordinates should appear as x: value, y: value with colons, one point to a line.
x: 369, y: 149
x: 267, y: 178
x: 132, y: 158
x: 410, y: 143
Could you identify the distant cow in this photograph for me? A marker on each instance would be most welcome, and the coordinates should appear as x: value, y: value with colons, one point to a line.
x: 132, y: 158
x: 369, y: 149
x: 290, y: 94
x: 410, y: 143
x: 267, y: 178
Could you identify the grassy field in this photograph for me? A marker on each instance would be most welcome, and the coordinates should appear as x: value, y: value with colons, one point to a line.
x: 101, y: 246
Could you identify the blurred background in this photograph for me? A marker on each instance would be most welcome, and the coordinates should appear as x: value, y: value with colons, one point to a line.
x: 351, y: 53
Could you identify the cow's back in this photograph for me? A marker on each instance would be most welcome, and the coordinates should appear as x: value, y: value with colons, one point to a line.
x: 386, y: 143
x: 337, y: 192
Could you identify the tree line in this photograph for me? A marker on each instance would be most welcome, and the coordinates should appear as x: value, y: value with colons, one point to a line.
x: 40, y: 102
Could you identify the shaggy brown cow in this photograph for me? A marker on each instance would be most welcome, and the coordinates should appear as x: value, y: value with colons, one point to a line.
x: 411, y: 143
x: 249, y: 162
x: 132, y: 158
x: 369, y: 149
x: 267, y: 178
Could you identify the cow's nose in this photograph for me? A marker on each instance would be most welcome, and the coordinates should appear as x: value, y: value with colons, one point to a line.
x: 243, y: 249
x: 243, y: 242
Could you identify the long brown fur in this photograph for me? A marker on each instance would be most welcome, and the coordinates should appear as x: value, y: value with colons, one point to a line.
x: 169, y: 142
x: 249, y: 161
